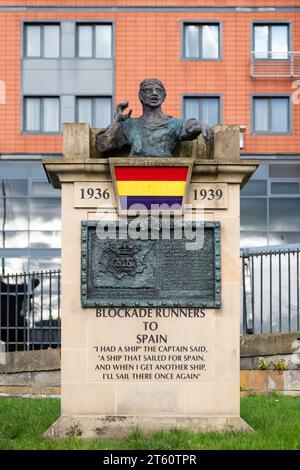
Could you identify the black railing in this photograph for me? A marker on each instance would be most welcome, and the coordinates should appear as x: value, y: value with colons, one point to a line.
x: 30, y: 302
x: 270, y: 290
x: 30, y: 311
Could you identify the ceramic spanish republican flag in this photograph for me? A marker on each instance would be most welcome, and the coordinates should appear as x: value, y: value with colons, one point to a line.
x: 151, y: 186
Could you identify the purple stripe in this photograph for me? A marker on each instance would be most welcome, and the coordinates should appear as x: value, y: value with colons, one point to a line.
x: 149, y: 202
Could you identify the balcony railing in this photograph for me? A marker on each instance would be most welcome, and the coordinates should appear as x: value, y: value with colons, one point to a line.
x: 275, y: 64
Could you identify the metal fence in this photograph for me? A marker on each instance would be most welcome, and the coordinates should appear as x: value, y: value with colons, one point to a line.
x: 270, y: 290
x: 270, y: 300
x: 30, y: 311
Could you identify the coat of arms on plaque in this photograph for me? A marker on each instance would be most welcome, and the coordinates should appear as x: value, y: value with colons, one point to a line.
x: 124, y: 258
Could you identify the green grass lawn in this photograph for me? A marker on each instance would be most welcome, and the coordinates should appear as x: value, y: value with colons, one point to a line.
x: 275, y: 420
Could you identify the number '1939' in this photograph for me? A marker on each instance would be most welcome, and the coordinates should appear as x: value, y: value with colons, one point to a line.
x: 209, y: 194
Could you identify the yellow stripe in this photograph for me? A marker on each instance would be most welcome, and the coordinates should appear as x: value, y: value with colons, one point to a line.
x: 151, y: 188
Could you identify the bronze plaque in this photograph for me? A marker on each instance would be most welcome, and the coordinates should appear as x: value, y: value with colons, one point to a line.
x: 150, y: 272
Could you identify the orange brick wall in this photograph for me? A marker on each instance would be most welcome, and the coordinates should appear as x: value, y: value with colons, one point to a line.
x: 148, y: 44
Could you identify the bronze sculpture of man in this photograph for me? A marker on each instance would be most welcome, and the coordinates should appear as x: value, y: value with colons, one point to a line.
x: 154, y: 134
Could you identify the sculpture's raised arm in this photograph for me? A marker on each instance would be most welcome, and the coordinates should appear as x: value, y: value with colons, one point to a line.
x: 113, y: 138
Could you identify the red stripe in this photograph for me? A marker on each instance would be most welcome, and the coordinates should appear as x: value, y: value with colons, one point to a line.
x: 151, y: 173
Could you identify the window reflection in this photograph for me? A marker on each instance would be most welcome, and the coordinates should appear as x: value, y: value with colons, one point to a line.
x: 33, y: 41
x: 201, y: 41
x: 210, y: 41
x: 253, y: 239
x: 9, y: 188
x: 278, y: 204
x: 16, y: 239
x: 292, y: 170
x: 15, y: 265
x: 45, y: 239
x: 261, y: 41
x: 41, y: 114
x: 280, y: 238
x: 285, y: 214
x: 261, y: 114
x: 103, y: 41
x: 43, y: 189
x: 43, y: 310
x: 253, y: 213
x: 285, y: 188
x: 45, y: 214
x: 14, y: 213
x: 44, y: 264
x: 42, y: 40
x: 271, y: 41
x: 51, y: 40
x: 279, y: 41
x: 95, y: 111
x: 271, y: 114
x: 280, y: 115
x: 94, y: 41
x: 203, y: 108
x: 29, y: 218
x: 255, y: 188
x: 192, y: 41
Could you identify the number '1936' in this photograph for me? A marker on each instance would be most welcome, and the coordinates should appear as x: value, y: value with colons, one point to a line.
x: 95, y: 193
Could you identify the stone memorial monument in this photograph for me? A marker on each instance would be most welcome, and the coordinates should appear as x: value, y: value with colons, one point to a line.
x: 150, y: 273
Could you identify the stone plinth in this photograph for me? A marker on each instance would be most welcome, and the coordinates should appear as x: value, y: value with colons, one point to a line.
x: 112, y: 380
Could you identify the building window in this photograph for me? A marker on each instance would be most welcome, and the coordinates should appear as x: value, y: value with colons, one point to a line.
x: 30, y: 220
x: 202, y: 41
x: 94, y: 110
x: 271, y: 115
x: 42, y: 40
x: 271, y: 41
x: 206, y: 109
x: 41, y: 114
x: 270, y: 205
x: 94, y: 41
